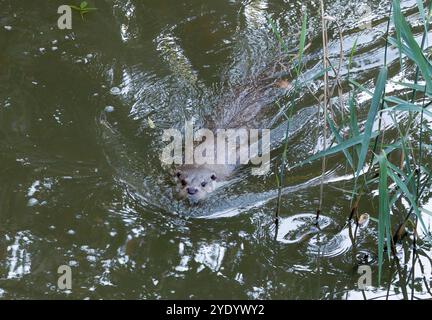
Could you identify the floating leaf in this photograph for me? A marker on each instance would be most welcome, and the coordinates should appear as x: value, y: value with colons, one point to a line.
x: 282, y: 83
x: 363, y: 220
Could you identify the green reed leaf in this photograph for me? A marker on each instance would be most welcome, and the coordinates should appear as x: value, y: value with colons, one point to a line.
x: 376, y: 101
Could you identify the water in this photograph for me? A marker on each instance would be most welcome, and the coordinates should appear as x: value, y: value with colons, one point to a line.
x: 81, y: 183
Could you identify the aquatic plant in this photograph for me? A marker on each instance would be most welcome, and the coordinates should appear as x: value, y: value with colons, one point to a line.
x: 288, y: 110
x: 367, y: 148
x: 83, y: 8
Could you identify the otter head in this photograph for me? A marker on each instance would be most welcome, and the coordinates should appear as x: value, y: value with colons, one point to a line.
x: 195, y: 183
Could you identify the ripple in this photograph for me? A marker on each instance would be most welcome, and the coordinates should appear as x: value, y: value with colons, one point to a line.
x: 304, y: 229
x: 298, y: 228
x: 330, y: 246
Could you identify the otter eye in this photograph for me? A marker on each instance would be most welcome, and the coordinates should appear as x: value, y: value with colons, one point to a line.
x: 178, y: 174
x: 183, y: 182
x: 213, y: 177
x: 203, y: 184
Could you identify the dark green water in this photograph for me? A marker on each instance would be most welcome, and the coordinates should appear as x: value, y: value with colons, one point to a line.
x: 73, y: 192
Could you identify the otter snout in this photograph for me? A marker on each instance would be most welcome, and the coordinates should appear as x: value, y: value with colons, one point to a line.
x: 195, y: 183
x: 192, y: 190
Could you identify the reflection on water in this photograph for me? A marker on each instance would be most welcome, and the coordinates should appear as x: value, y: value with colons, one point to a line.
x: 210, y: 256
x: 18, y: 256
x: 81, y: 183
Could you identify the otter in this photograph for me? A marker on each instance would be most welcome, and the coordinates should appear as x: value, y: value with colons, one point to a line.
x: 241, y: 108
x: 196, y: 182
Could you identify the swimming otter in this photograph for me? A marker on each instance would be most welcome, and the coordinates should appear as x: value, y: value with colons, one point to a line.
x: 242, y: 108
x: 195, y: 182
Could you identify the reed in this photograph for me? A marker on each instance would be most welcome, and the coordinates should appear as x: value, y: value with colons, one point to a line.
x: 366, y: 148
x: 280, y: 176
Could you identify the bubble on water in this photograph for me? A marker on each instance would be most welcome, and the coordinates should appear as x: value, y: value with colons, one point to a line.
x: 71, y: 232
x: 42, y: 50
x: 54, y: 42
x: 91, y: 258
x: 8, y: 28
x: 115, y: 91
x: 73, y: 263
x: 109, y: 109
x: 54, y: 48
x: 89, y: 56
x: 32, y: 202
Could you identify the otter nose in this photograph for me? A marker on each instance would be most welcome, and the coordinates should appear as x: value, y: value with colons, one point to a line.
x: 192, y: 191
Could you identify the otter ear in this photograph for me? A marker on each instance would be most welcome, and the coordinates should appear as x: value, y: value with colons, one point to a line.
x: 213, y: 177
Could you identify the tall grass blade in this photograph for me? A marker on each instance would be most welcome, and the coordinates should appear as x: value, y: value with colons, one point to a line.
x: 406, y: 106
x: 340, y: 147
x: 340, y: 140
x: 302, y: 43
x: 404, y: 30
x: 384, y: 214
x: 376, y: 100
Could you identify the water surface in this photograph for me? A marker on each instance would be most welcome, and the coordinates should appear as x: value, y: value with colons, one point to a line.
x: 85, y: 188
